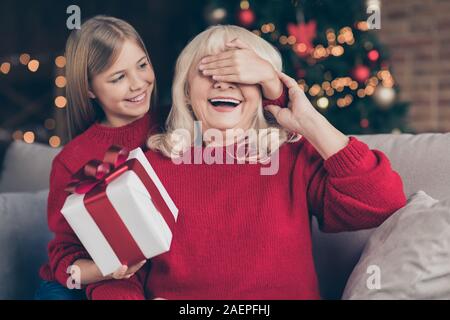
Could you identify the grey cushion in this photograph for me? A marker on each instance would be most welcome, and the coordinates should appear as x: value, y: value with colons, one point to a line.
x: 408, y: 256
x: 423, y: 162
x: 26, y: 167
x: 23, y: 240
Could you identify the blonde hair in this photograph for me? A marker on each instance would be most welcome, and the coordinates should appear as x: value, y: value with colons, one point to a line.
x: 89, y: 51
x: 212, y: 41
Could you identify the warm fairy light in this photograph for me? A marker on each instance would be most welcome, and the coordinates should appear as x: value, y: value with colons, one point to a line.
x: 315, y: 90
x: 348, y: 99
x: 50, y: 124
x: 301, y: 47
x: 323, y: 102
x: 54, y: 141
x: 326, y: 85
x: 33, y: 65
x: 257, y: 32
x: 60, y: 81
x: 337, y: 51
x: 361, y: 93
x: 362, y: 25
x: 369, y: 90
x: 24, y: 58
x: 5, y: 67
x: 373, y: 81
x: 60, y: 102
x: 354, y: 85
x: 329, y: 92
x: 17, y: 135
x: 283, y: 40
x: 244, y: 5
x: 340, y: 103
x: 292, y: 40
x: 60, y: 61
x: 331, y: 36
x: 28, y: 137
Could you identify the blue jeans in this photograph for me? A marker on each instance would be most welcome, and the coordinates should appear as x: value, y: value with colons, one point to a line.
x: 53, y: 290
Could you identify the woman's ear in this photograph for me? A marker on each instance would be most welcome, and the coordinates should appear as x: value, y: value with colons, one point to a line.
x: 91, y: 94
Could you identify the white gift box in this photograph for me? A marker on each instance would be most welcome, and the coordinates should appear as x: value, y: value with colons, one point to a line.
x: 133, y: 203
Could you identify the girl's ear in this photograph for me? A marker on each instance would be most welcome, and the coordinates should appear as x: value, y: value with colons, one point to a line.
x: 91, y: 94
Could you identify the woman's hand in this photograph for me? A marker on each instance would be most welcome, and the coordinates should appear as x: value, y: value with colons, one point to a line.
x: 300, y: 112
x: 125, y: 272
x: 240, y: 64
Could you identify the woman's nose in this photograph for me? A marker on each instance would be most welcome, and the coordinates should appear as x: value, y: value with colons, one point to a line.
x: 223, y: 85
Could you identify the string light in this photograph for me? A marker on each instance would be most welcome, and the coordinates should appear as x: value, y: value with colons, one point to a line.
x: 5, y: 67
x: 54, y: 141
x: 28, y: 137
x: 60, y: 61
x: 24, y: 58
x: 33, y: 65
x: 60, y: 81
x: 60, y: 102
x: 323, y: 102
x: 244, y: 5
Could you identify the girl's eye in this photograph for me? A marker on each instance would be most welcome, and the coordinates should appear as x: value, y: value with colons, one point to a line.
x: 118, y: 79
x: 143, y: 65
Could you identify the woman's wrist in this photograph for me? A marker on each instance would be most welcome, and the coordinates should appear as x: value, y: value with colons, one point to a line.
x: 272, y: 87
x: 325, y: 138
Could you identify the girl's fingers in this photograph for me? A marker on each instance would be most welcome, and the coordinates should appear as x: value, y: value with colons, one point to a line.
x: 288, y: 81
x: 137, y: 266
x: 237, y: 43
x: 216, y: 64
x: 273, y: 109
x: 120, y: 272
x: 227, y: 78
x: 216, y: 57
x: 220, y: 71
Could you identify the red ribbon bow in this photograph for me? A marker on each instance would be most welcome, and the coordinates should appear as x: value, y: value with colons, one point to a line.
x: 95, y: 171
x: 92, y: 180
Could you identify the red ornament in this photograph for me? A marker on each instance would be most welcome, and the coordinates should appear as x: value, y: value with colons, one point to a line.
x: 304, y: 34
x: 373, y: 55
x: 361, y: 73
x: 301, y: 73
x: 246, y: 17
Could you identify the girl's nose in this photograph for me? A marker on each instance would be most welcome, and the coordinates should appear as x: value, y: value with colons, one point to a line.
x: 136, y: 83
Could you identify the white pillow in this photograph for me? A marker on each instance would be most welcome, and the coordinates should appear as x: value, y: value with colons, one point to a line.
x: 408, y: 256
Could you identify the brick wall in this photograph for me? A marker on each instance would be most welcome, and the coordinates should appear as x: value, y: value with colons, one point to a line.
x: 417, y: 34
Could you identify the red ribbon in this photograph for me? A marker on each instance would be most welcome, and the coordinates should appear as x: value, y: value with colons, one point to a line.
x: 93, y: 179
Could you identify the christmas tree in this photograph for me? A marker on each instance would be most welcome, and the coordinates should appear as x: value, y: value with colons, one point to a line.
x: 328, y: 47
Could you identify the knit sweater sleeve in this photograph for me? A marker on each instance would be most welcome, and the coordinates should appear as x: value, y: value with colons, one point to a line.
x: 65, y: 247
x: 353, y: 189
x: 124, y: 289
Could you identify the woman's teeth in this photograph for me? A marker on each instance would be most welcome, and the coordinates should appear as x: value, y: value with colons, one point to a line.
x: 139, y: 98
x: 225, y: 102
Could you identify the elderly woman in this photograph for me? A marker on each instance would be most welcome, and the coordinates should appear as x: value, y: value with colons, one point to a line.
x: 241, y: 234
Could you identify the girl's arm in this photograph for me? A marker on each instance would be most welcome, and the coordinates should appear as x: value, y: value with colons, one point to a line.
x: 349, y: 186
